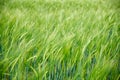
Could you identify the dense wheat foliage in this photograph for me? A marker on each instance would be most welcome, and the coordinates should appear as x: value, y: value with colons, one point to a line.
x: 59, y: 39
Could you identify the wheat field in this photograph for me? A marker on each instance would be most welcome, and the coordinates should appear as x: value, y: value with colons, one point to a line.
x: 59, y: 39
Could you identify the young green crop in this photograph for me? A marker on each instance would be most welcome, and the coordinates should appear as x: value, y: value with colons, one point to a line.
x: 59, y: 40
